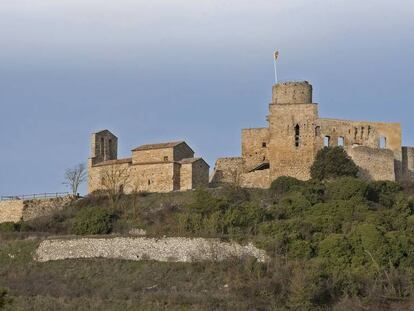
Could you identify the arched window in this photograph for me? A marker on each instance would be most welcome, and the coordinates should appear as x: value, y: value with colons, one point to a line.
x: 341, y: 141
x: 327, y: 141
x: 383, y: 142
x: 297, y: 135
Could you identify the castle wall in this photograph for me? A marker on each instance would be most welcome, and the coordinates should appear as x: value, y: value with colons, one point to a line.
x: 255, y: 143
x: 227, y: 171
x: 256, y: 179
x: 374, y: 164
x: 407, y: 164
x: 291, y: 154
x: 362, y: 133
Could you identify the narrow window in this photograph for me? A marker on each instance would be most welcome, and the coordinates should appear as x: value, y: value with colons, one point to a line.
x: 264, y: 145
x: 297, y: 135
x: 383, y: 142
x: 341, y: 141
x: 326, y: 141
x: 362, y: 132
x: 165, y: 159
x: 149, y: 182
x: 355, y: 133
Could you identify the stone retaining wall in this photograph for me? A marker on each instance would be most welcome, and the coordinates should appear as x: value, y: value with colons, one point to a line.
x: 165, y: 249
x: 17, y: 210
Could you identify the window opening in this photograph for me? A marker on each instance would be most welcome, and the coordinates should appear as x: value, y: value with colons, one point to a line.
x: 326, y: 141
x: 297, y: 135
x: 341, y: 141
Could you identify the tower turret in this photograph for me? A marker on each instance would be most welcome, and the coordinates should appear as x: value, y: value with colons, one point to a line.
x: 292, y: 93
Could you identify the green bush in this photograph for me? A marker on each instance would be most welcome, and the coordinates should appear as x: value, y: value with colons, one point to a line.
x: 9, y: 227
x: 285, y: 184
x: 93, y: 220
x: 383, y: 192
x: 4, y: 300
x: 333, y: 162
x: 346, y: 188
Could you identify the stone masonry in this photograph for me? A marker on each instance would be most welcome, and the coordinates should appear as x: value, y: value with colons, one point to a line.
x: 17, y: 210
x: 295, y: 133
x: 165, y: 249
x: 160, y: 167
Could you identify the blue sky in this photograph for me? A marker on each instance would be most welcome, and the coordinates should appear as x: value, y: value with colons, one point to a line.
x: 160, y: 70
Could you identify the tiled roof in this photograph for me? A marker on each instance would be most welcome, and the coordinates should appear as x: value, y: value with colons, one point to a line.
x: 158, y: 146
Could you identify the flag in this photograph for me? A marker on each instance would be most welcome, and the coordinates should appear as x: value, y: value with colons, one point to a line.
x: 276, y: 55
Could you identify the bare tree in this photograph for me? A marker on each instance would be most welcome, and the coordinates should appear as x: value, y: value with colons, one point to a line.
x: 113, y: 179
x: 74, y: 177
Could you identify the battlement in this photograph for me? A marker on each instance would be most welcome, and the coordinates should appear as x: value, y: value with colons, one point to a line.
x: 292, y: 93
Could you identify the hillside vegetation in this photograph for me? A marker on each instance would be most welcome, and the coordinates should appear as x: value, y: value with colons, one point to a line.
x: 336, y: 244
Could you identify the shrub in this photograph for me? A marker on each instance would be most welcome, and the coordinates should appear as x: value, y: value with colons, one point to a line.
x: 93, y: 220
x: 346, y: 188
x: 9, y: 227
x: 333, y: 162
x: 383, y: 192
x: 284, y: 184
x: 4, y: 300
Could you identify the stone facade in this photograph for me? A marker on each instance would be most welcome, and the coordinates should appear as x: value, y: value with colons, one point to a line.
x: 161, y: 167
x: 17, y: 210
x: 295, y: 133
x: 165, y: 249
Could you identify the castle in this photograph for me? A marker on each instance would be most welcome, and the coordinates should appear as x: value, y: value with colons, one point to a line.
x: 287, y: 147
x: 295, y: 133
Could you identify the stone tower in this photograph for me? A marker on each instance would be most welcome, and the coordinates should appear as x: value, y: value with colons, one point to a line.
x: 293, y: 130
x: 104, y: 147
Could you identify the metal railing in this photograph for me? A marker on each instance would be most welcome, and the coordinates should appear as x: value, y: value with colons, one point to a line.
x: 34, y: 196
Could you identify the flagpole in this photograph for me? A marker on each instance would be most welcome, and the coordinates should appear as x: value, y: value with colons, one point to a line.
x: 275, y: 57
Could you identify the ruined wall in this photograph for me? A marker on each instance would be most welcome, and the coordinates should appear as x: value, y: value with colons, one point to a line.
x: 17, y: 210
x: 375, y: 164
x: 227, y: 171
x: 407, y: 164
x: 362, y: 133
x: 165, y: 249
x: 256, y: 179
x: 255, y: 143
x: 11, y: 211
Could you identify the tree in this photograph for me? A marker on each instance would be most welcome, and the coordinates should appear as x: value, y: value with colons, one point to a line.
x: 333, y: 162
x: 75, y: 176
x: 114, y: 178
